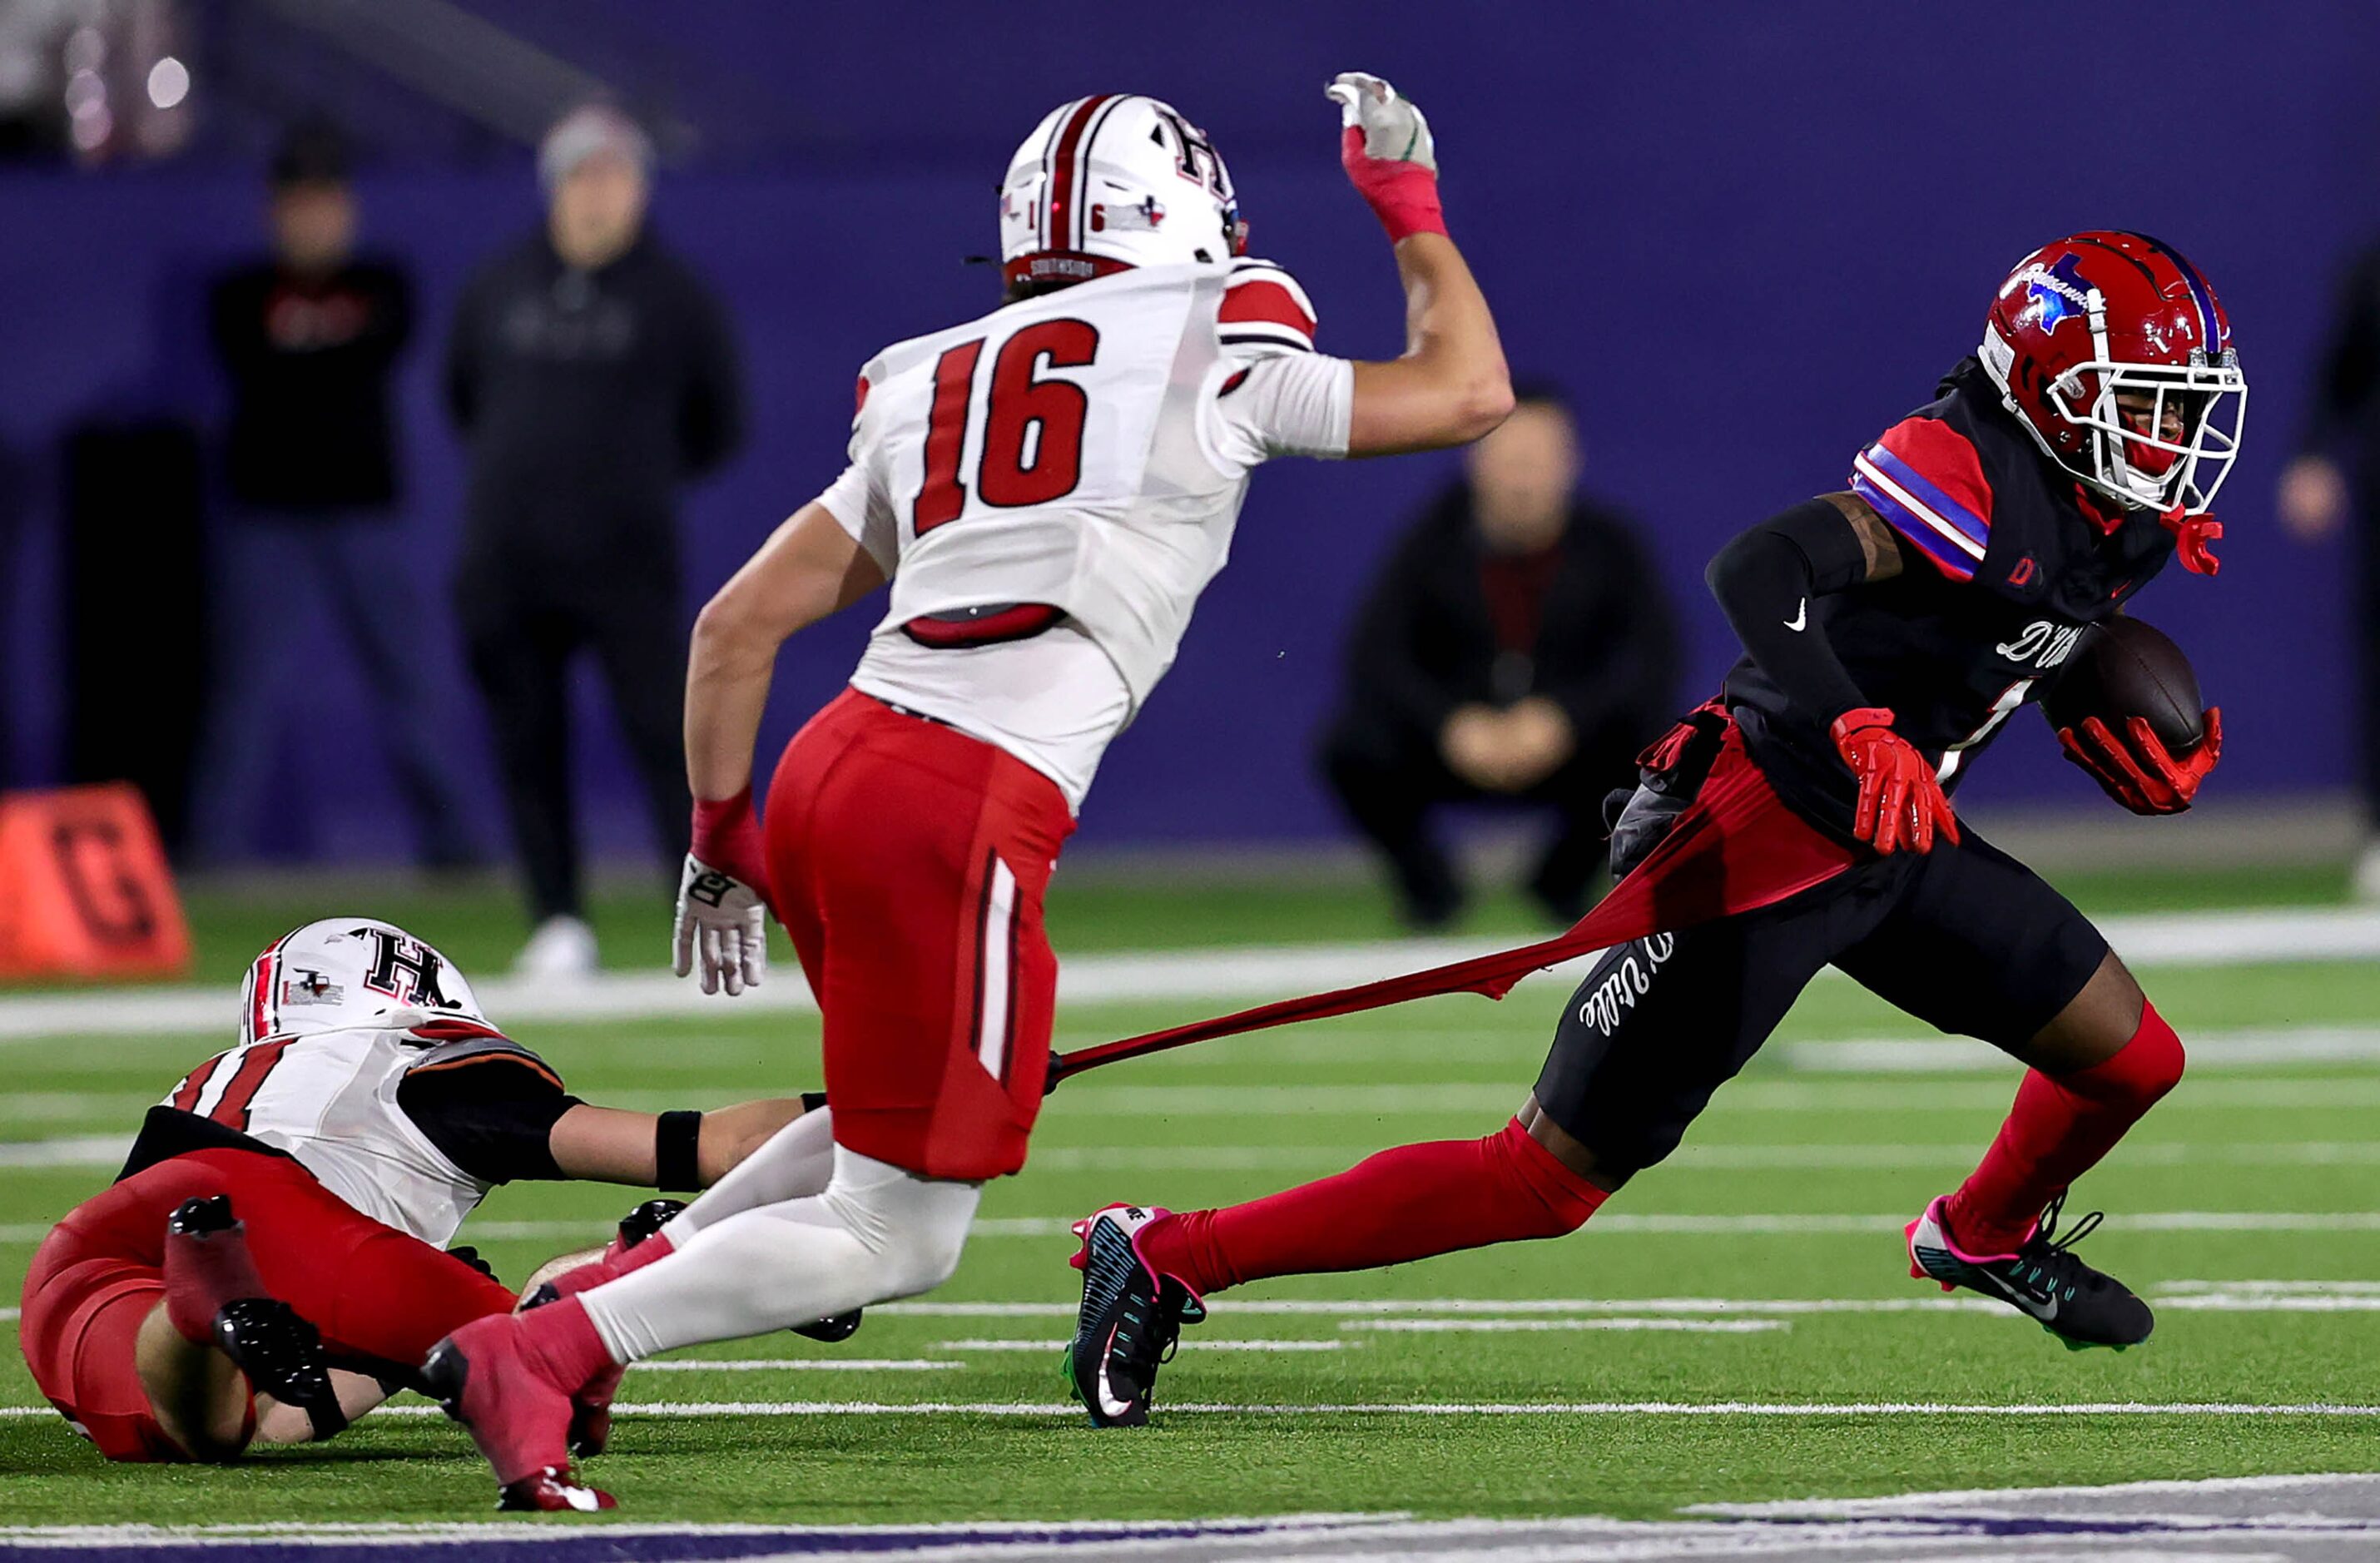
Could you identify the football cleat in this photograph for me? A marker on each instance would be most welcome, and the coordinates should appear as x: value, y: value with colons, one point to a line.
x: 831, y: 1330
x: 1131, y: 1318
x: 553, y: 1491
x: 2045, y: 1278
x: 202, y: 1217
x: 281, y: 1355
x: 520, y: 1420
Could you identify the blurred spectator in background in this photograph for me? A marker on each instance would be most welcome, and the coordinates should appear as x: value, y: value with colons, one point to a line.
x: 2336, y: 475
x: 308, y: 336
x: 589, y: 371
x: 1518, y: 646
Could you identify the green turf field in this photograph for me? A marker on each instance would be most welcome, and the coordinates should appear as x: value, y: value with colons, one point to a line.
x: 1093, y: 906
x: 1591, y: 1364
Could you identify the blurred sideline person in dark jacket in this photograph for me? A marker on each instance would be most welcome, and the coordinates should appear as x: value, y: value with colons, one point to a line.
x: 2336, y: 477
x: 1517, y: 645
x: 590, y: 372
x: 309, y: 337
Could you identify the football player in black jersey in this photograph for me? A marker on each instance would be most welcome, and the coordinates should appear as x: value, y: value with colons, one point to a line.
x: 1889, y: 631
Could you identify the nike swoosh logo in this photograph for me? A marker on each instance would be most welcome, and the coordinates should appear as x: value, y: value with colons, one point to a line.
x: 2044, y: 1311
x: 1108, y: 1401
x: 1801, y: 618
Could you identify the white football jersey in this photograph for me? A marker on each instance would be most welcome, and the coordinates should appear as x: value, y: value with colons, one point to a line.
x: 330, y: 1100
x: 1086, y: 450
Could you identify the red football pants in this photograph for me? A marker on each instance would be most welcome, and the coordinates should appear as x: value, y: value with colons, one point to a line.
x: 907, y: 861
x: 380, y: 1298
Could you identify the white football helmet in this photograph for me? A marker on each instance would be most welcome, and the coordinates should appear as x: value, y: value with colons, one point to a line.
x: 344, y: 972
x: 1114, y: 181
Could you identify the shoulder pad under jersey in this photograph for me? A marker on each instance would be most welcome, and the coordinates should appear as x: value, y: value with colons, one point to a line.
x: 1264, y: 310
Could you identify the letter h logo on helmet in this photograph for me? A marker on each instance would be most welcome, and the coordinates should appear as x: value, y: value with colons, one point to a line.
x: 406, y: 969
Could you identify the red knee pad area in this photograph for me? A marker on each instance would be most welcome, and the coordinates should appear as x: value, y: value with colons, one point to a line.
x: 1564, y: 1198
x: 2142, y: 1071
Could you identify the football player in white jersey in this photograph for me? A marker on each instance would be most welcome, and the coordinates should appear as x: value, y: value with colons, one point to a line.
x: 1046, y: 489
x: 272, y: 1262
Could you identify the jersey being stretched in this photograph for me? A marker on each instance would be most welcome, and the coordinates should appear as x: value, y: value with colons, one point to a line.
x: 362, y: 1055
x: 1051, y: 487
x: 2006, y: 560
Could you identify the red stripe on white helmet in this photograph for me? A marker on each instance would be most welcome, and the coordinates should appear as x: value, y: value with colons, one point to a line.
x: 1110, y: 182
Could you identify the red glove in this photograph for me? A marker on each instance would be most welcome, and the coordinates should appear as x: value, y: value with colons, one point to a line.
x: 2144, y: 776
x: 1901, y: 802
x: 727, y: 837
x: 2193, y: 540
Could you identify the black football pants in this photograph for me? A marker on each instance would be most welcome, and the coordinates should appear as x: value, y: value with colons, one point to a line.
x: 1964, y: 938
x: 521, y: 643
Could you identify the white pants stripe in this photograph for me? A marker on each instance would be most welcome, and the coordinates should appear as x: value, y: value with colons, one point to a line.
x: 992, y: 960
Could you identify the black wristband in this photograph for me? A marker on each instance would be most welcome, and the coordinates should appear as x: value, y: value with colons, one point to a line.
x: 677, y: 1162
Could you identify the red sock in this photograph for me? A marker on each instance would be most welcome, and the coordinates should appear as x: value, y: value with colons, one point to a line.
x: 1409, y: 1203
x: 561, y: 1339
x: 2059, y: 1130
x: 202, y: 1272
x: 612, y: 1267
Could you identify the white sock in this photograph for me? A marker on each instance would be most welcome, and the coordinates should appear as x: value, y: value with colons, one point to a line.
x: 874, y: 1232
x: 792, y: 1163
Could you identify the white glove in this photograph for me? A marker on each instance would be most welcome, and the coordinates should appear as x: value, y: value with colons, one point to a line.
x: 724, y: 920
x: 1394, y: 131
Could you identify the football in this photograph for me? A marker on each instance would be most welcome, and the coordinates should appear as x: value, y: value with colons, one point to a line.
x: 2123, y: 668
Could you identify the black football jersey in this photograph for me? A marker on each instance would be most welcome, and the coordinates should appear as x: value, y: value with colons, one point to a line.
x: 2005, y: 559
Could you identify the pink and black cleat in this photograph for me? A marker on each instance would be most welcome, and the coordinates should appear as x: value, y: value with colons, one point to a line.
x: 2044, y: 1280
x: 1131, y: 1318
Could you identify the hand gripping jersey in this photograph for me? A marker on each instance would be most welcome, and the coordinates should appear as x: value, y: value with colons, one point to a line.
x: 1051, y: 487
x: 2006, y: 560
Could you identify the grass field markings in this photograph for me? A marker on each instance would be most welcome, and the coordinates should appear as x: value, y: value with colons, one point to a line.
x: 1202, y: 1343
x: 1616, y: 1224
x: 2356, y: 1288
x: 108, y: 1151
x: 1619, y: 1322
x: 796, y: 1364
x: 2281, y: 935
x: 2250, y: 1047
x: 1816, y: 1094
x: 1788, y: 1409
x: 82, y: 1150
x: 2022, y: 1499
x: 532, y: 1531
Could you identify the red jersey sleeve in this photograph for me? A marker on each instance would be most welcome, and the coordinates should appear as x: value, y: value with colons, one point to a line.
x: 1924, y: 478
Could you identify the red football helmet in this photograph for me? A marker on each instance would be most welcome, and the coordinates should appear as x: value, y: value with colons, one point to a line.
x: 2118, y: 357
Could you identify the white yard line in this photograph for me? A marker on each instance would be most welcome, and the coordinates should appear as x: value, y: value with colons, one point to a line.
x: 794, y: 1365
x: 1494, y: 1326
x: 1795, y: 1409
x: 532, y: 1531
x: 2277, y: 1296
x: 2198, y: 939
x: 2251, y: 1048
x: 2023, y: 1500
x: 108, y: 1150
x: 1200, y: 1343
x: 1901, y: 1099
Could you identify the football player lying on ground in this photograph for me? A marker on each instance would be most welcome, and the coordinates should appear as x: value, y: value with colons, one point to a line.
x: 1889, y: 632
x: 1048, y: 489
x: 271, y: 1263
